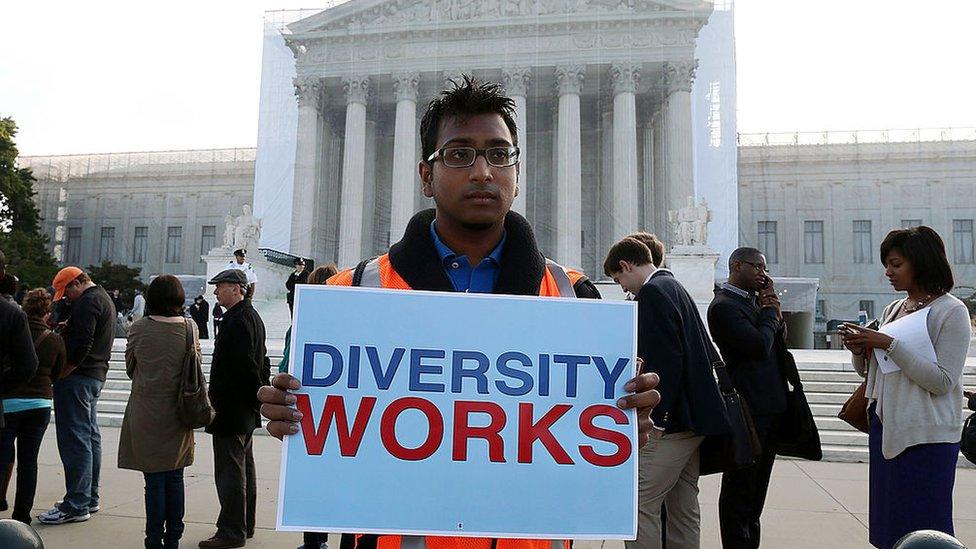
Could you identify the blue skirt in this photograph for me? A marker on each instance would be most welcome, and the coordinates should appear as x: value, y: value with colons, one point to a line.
x: 911, y: 492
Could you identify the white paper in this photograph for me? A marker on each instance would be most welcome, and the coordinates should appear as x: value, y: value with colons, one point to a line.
x: 912, y: 332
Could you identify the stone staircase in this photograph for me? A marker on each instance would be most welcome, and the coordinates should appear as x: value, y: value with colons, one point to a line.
x: 828, y: 380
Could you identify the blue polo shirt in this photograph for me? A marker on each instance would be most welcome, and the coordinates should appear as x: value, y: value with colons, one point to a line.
x: 480, y: 279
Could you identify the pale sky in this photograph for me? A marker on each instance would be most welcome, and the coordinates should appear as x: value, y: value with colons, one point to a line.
x: 113, y: 76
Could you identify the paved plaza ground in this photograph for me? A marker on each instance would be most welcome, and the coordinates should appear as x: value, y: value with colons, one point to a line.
x: 811, y: 505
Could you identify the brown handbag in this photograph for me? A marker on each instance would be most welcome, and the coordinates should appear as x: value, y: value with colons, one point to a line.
x: 855, y: 410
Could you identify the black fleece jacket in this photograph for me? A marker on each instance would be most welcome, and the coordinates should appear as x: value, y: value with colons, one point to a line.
x: 522, y: 265
x: 90, y: 332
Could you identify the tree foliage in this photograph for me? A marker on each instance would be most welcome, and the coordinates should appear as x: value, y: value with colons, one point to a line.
x: 21, y: 239
x: 123, y: 278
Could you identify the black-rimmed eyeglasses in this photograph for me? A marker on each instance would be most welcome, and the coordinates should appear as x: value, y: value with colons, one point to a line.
x: 759, y: 267
x: 464, y: 157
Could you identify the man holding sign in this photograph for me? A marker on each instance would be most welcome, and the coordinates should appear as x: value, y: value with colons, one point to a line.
x: 470, y: 242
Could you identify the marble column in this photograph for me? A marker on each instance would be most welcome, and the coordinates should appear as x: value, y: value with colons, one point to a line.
x: 660, y: 183
x: 650, y: 197
x: 516, y: 80
x: 569, y: 83
x: 678, y: 149
x: 353, y: 172
x: 308, y: 90
x: 625, y: 190
x: 404, y: 152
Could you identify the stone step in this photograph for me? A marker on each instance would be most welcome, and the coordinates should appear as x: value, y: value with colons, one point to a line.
x: 827, y: 398
x: 843, y: 437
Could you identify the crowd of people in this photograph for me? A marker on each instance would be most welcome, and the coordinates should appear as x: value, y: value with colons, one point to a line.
x: 56, y: 351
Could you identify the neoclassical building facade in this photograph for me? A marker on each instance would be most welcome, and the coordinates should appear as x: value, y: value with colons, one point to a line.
x: 603, y: 90
x: 820, y: 204
x: 158, y: 211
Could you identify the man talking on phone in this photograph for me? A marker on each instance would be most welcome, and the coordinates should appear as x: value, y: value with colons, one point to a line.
x: 746, y: 323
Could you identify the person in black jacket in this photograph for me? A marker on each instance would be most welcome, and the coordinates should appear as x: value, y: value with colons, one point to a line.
x: 746, y: 322
x: 18, y: 361
x: 88, y: 335
x: 27, y: 409
x: 673, y: 343
x: 200, y: 312
x: 298, y: 276
x: 239, y: 368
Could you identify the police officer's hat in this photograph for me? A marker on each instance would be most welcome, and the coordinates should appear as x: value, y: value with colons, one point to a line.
x: 234, y: 276
x: 240, y: 252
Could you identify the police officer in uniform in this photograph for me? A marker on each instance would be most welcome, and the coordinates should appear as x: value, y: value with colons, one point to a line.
x: 241, y: 265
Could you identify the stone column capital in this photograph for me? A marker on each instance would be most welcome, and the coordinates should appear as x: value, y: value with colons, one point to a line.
x: 308, y: 90
x: 624, y: 77
x: 678, y: 76
x: 405, y: 85
x: 516, y: 80
x: 569, y: 79
x: 356, y: 89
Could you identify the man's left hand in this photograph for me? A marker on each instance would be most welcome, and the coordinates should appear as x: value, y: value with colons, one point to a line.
x: 644, y: 398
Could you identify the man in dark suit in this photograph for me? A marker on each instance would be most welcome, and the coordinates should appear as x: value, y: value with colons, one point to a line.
x: 673, y: 343
x: 746, y: 322
x: 239, y: 368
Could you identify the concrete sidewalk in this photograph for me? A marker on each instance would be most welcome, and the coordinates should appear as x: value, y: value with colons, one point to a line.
x: 810, y: 505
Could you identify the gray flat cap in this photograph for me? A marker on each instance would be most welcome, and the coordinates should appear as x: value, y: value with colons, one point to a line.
x: 234, y: 276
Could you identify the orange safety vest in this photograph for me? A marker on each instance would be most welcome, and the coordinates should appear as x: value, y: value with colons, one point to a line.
x: 557, y: 281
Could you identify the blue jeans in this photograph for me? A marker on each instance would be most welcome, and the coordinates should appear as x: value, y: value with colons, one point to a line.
x: 79, y: 441
x: 164, y: 507
x: 27, y: 429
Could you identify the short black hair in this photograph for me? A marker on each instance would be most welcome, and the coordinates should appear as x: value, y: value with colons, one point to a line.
x: 924, y: 250
x: 468, y: 98
x: 165, y: 296
x: 297, y: 261
x: 744, y: 253
x: 630, y: 250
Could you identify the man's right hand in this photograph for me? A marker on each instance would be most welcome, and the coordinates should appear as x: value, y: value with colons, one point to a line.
x: 769, y: 298
x: 277, y: 405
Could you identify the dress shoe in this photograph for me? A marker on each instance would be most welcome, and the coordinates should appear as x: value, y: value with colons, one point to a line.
x: 220, y: 543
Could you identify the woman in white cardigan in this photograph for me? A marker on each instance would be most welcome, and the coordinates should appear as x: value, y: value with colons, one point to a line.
x: 915, y: 412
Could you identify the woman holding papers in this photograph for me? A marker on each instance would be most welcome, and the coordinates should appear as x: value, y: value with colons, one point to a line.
x: 913, y: 365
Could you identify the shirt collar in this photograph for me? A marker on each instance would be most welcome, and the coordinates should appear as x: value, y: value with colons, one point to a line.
x: 447, y: 254
x: 736, y: 290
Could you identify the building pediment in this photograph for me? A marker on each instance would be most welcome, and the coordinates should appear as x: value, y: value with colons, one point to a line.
x: 377, y: 15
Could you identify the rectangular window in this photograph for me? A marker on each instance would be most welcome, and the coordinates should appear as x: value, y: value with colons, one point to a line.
x: 174, y: 244
x: 962, y: 241
x: 208, y: 238
x: 139, y: 245
x: 863, y: 251
x: 106, y: 244
x: 813, y: 244
x: 867, y: 306
x: 73, y: 254
x: 768, y: 242
x: 910, y: 223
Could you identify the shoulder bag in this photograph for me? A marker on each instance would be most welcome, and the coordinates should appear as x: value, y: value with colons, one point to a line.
x: 740, y: 447
x: 193, y: 406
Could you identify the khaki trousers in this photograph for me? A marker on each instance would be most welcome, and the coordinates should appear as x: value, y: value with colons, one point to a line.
x: 668, y: 474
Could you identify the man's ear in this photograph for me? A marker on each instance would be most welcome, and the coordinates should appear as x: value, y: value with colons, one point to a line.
x: 625, y: 267
x: 426, y: 172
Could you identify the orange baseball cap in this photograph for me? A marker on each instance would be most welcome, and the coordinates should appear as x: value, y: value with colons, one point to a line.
x: 63, y: 278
